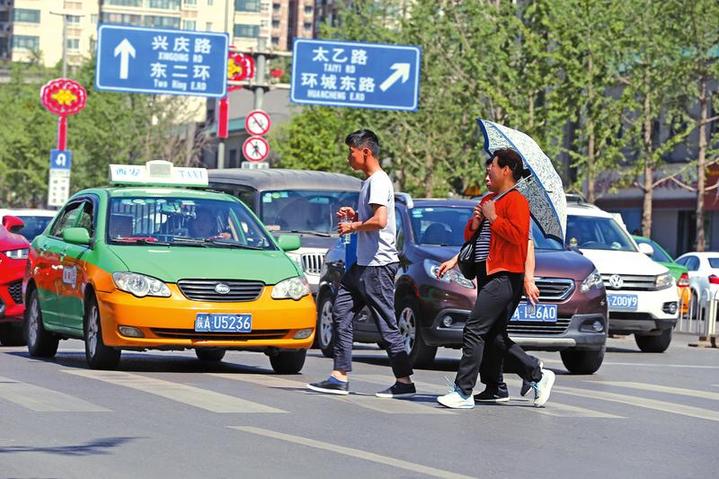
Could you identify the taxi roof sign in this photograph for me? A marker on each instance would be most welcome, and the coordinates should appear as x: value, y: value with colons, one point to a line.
x: 158, y: 172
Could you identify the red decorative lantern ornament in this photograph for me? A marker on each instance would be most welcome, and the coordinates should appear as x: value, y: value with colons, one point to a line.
x: 240, y: 67
x: 63, y: 97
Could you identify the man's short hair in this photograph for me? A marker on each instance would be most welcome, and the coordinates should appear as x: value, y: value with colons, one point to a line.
x: 510, y: 158
x: 364, y: 139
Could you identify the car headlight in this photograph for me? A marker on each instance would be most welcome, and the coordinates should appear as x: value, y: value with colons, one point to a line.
x: 451, y: 276
x: 140, y: 285
x: 594, y: 280
x: 663, y: 281
x: 17, y: 253
x: 292, y: 288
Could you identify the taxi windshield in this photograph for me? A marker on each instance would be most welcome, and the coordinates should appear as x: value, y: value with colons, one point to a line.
x: 184, y: 222
x: 304, y: 210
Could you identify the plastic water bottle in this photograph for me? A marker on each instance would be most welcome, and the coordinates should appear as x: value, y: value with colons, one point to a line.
x: 346, y: 238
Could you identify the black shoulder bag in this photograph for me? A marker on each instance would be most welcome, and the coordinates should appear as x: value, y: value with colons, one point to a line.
x: 465, y: 260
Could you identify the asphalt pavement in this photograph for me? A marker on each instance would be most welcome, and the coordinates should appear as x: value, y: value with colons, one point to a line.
x: 166, y: 414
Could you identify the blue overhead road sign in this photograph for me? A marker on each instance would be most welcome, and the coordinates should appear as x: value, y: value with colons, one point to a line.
x: 361, y: 75
x: 169, y: 62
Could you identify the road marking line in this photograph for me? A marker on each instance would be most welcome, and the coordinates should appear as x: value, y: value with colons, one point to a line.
x: 566, y: 410
x: 41, y: 399
x: 262, y: 380
x: 348, y: 451
x: 190, y: 395
x: 394, y: 406
x: 663, y: 406
x: 661, y: 389
x: 649, y: 365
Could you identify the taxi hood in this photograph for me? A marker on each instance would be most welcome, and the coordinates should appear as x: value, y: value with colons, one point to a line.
x: 173, y: 263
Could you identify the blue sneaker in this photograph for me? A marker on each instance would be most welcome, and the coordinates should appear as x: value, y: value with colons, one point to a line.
x: 526, y: 385
x: 331, y: 385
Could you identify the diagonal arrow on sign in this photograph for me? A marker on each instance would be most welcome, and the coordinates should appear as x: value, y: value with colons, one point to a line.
x: 401, y: 71
x: 125, y: 50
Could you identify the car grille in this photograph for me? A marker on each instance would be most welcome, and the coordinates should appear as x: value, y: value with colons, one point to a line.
x: 554, y: 289
x: 632, y: 282
x: 312, y: 263
x: 15, y: 289
x: 538, y: 328
x: 204, y: 290
x: 204, y: 336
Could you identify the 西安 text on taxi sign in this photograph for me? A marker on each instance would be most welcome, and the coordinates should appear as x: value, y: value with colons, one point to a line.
x: 157, y: 173
x: 361, y: 75
x: 170, y: 62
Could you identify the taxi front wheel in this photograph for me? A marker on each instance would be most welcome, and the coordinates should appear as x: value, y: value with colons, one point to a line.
x: 40, y: 343
x: 97, y: 354
x: 288, y: 362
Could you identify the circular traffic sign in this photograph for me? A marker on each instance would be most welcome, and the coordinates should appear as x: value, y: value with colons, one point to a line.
x: 257, y: 122
x: 255, y: 148
x: 63, y: 96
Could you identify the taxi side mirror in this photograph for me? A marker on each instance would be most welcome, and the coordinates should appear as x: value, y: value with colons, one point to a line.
x: 12, y: 223
x: 76, y: 236
x: 289, y: 242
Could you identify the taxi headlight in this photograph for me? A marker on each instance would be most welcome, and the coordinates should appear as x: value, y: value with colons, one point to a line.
x: 17, y: 253
x: 451, y: 276
x: 594, y: 280
x: 292, y: 288
x: 140, y: 285
x: 663, y: 281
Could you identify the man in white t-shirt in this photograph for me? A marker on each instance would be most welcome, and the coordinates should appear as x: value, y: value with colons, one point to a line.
x: 370, y: 281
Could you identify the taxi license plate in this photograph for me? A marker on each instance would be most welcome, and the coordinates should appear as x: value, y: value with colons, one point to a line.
x: 223, y: 323
x: 623, y: 302
x: 545, y: 313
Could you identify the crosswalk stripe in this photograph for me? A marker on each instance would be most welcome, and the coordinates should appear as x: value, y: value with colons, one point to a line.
x: 262, y: 380
x: 190, y: 395
x: 352, y: 452
x: 41, y: 399
x: 555, y: 409
x: 648, y: 365
x: 661, y: 389
x: 663, y: 406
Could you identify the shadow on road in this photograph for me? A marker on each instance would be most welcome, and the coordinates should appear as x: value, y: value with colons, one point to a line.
x: 95, y: 447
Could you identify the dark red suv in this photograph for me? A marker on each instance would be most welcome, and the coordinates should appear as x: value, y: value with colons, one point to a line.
x: 571, y: 316
x: 13, y: 258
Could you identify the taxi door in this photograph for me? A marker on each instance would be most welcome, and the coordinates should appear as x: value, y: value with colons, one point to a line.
x: 71, y: 301
x: 48, y: 270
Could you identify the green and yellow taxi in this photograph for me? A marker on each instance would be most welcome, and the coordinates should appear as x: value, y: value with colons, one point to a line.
x: 153, y: 263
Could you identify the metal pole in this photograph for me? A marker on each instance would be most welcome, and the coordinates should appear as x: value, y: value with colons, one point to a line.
x: 64, y: 46
x: 221, y: 141
x: 260, y: 74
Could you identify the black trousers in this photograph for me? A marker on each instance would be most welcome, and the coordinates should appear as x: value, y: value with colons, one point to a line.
x: 485, y: 341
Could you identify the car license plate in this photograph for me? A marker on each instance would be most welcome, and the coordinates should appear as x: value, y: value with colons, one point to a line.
x: 623, y: 302
x: 223, y: 323
x: 545, y: 313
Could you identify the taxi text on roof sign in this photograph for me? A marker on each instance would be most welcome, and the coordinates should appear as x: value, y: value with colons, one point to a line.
x: 157, y: 173
x: 361, y: 75
x: 151, y: 60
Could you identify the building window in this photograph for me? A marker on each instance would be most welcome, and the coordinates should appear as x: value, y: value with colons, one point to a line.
x: 308, y: 9
x: 165, y: 4
x: 276, y: 7
x: 158, y: 21
x: 275, y: 41
x: 125, y: 3
x: 73, y: 43
x: 73, y: 5
x: 247, y: 5
x: 190, y: 3
x: 26, y: 15
x: 208, y: 26
x: 93, y: 18
x: 249, y: 31
x: 308, y: 26
x: 210, y: 3
x: 25, y: 42
x: 72, y: 19
x: 121, y: 19
x: 189, y: 24
x: 275, y: 24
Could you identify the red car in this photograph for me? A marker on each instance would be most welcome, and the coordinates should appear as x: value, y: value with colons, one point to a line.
x: 13, y: 259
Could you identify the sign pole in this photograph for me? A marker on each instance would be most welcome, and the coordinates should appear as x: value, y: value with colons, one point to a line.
x: 260, y: 74
x: 62, y: 132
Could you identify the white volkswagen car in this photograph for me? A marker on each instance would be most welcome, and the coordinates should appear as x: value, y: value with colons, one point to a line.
x: 642, y: 294
x: 703, y: 276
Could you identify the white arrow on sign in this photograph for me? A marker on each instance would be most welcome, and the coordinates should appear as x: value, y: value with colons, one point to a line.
x: 401, y: 71
x: 125, y: 50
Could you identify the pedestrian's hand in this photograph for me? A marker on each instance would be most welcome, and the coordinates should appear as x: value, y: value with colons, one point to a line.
x: 488, y: 210
x: 345, y: 228
x: 531, y: 291
x: 477, y: 217
x: 446, y: 266
x: 347, y: 211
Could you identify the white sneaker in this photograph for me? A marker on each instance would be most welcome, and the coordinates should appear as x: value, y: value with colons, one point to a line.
x: 543, y: 387
x: 455, y: 400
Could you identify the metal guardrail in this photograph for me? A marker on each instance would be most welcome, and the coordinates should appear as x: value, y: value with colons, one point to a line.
x: 701, y: 319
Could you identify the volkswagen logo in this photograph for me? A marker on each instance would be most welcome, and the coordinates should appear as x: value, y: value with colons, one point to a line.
x: 616, y: 281
x: 222, y: 288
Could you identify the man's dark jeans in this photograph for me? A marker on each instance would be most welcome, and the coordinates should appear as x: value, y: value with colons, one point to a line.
x: 371, y: 286
x: 485, y: 335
